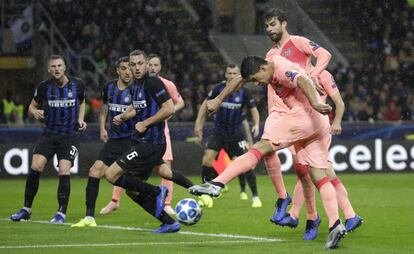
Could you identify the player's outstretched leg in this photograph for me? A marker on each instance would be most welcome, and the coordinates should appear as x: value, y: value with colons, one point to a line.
x: 239, y: 166
x: 211, y: 188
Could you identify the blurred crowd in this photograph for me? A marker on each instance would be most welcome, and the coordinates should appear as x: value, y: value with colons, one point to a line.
x: 106, y: 30
x: 383, y: 87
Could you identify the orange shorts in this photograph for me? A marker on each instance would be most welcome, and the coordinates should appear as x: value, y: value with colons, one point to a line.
x: 168, y: 156
x: 306, y: 129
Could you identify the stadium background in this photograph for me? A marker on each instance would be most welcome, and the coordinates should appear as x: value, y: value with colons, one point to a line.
x: 373, y: 64
x: 372, y: 46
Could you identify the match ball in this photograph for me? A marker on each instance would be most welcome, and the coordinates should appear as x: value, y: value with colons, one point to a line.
x: 188, y: 211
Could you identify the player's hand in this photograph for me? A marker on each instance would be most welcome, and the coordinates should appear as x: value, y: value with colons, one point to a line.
x: 199, y: 136
x: 322, y: 108
x: 336, y: 128
x: 117, y: 120
x: 213, y: 105
x: 103, y: 134
x: 141, y: 127
x: 255, y: 131
x: 318, y: 87
x: 39, y: 114
x: 82, y: 125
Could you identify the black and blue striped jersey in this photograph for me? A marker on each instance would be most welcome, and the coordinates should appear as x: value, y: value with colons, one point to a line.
x: 228, y: 120
x: 118, y: 101
x: 148, y: 96
x: 60, y: 105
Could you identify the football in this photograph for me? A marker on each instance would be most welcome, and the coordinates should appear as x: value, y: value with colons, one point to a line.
x: 188, y: 211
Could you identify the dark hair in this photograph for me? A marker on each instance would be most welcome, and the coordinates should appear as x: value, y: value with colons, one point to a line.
x: 123, y: 59
x: 251, y: 65
x: 275, y: 13
x: 138, y: 52
x: 54, y: 57
x: 151, y: 56
x: 231, y: 65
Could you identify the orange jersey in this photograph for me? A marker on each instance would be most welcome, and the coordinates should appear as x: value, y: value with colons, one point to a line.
x: 299, y: 50
x: 284, y: 83
x: 171, y: 89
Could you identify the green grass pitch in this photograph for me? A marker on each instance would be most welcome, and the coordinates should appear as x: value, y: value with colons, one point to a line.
x: 385, y: 201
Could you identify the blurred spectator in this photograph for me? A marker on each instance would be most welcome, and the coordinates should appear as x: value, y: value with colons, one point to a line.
x: 391, y: 112
x: 8, y: 106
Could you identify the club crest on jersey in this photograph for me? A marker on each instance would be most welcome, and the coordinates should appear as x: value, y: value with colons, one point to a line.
x: 237, y: 99
x: 127, y: 99
x: 291, y: 75
x: 70, y: 94
x: 287, y: 52
x: 314, y: 45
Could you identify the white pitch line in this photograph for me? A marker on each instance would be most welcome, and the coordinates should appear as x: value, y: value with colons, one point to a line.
x: 121, y: 244
x: 231, y: 236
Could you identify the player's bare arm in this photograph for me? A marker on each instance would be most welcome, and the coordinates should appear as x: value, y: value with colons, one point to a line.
x: 199, y: 123
x: 214, y: 104
x: 310, y: 92
x: 128, y: 114
x: 178, y: 105
x: 256, y: 121
x: 81, y: 121
x: 336, y: 127
x: 166, y: 110
x: 103, y: 134
x: 34, y: 110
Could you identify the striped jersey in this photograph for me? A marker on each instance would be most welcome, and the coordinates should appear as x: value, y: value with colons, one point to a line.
x: 148, y: 96
x: 229, y: 118
x: 118, y: 101
x: 60, y: 105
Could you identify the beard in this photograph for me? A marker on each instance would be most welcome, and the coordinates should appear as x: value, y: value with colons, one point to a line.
x: 276, y: 37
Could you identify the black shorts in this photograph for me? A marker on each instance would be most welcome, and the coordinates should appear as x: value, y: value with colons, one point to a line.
x: 64, y: 146
x: 234, y: 147
x: 139, y: 160
x: 113, y: 149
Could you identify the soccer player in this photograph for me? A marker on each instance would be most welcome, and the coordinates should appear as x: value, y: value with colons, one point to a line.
x: 59, y: 102
x: 352, y: 220
x: 303, y: 126
x: 300, y: 50
x: 152, y: 106
x: 154, y: 67
x: 228, y: 131
x: 116, y: 97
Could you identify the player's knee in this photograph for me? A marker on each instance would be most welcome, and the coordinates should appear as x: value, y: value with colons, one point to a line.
x: 321, y: 182
x: 97, y: 170
x: 37, y: 166
x: 301, y: 170
x: 110, y: 175
x: 208, y: 161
